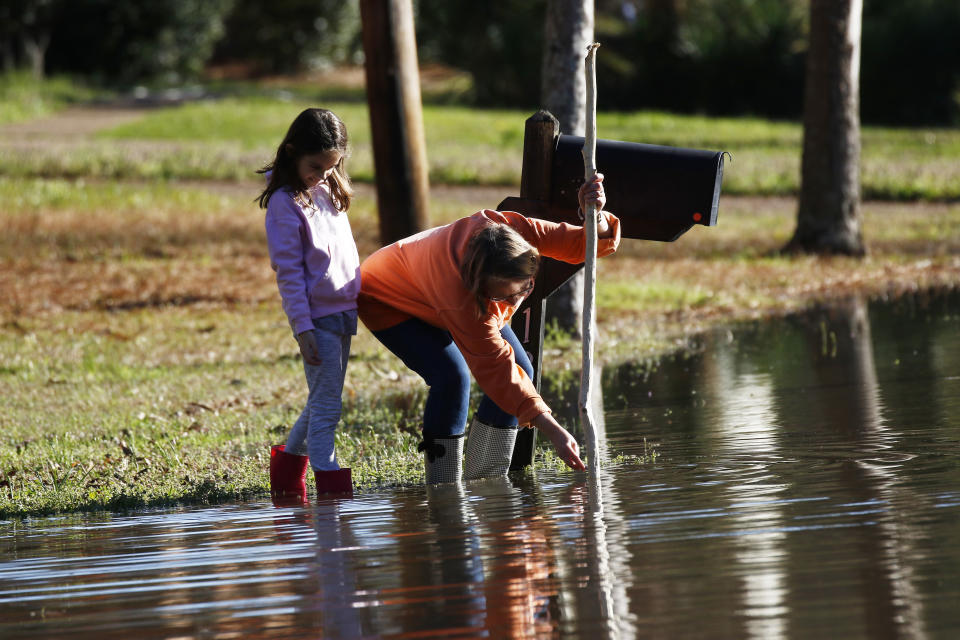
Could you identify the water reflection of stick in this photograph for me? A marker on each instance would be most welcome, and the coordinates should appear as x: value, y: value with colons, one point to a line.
x: 590, y: 265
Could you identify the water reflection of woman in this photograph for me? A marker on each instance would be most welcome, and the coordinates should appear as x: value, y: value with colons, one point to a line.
x: 480, y: 564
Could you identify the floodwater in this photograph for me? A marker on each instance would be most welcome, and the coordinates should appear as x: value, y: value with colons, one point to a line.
x: 806, y: 484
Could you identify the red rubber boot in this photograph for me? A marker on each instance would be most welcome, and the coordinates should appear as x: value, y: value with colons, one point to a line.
x: 288, y: 473
x: 335, y: 483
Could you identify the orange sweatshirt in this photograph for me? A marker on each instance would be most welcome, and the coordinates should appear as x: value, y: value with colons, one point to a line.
x: 419, y: 277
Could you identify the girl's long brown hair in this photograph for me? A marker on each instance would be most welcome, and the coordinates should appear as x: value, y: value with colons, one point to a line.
x: 313, y: 131
x: 496, y: 252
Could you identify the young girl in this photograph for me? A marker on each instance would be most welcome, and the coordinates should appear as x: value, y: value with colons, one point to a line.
x: 442, y: 301
x: 318, y: 273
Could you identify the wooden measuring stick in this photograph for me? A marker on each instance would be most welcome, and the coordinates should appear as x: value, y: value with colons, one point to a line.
x: 590, y: 267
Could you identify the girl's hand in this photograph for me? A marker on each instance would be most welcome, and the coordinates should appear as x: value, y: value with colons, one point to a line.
x: 308, y: 348
x: 591, y: 193
x: 564, y: 443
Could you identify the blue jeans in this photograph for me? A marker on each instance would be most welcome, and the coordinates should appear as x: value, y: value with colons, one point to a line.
x: 313, y: 432
x: 432, y: 353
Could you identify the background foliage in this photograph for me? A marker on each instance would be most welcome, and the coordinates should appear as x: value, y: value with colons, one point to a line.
x: 290, y: 36
x: 131, y: 41
x: 722, y: 57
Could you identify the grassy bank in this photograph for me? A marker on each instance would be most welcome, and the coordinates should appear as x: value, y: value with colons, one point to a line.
x: 145, y: 358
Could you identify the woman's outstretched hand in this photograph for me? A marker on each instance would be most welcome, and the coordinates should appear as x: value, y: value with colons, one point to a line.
x: 592, y: 193
x: 564, y: 443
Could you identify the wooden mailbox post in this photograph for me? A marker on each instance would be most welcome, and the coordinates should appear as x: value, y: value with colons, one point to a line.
x: 657, y: 192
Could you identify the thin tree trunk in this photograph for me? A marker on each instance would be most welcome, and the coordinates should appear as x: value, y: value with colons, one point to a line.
x: 35, y: 49
x: 829, y: 218
x: 567, y: 32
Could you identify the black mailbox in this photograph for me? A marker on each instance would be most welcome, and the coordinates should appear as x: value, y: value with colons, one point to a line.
x: 657, y: 192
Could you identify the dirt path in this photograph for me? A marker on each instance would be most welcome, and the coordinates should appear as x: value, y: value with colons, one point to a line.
x: 74, y: 124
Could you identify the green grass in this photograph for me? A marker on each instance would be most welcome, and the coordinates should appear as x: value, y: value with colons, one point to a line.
x: 23, y: 97
x: 230, y: 138
x: 624, y: 296
x: 124, y: 198
x: 464, y: 146
x: 155, y: 407
x: 250, y: 123
x: 483, y: 146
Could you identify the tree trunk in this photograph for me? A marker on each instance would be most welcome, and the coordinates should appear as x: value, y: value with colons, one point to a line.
x: 567, y: 32
x: 35, y: 49
x: 829, y: 218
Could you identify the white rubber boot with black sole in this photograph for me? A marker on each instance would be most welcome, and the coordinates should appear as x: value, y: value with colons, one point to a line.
x: 489, y: 450
x: 442, y: 459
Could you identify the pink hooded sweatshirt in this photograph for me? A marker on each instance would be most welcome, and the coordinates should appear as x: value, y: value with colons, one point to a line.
x: 315, y: 257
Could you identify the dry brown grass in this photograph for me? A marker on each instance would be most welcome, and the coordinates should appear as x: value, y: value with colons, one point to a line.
x: 77, y: 258
x: 158, y: 254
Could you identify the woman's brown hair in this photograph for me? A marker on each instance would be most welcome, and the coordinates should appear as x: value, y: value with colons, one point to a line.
x: 496, y: 252
x: 313, y: 131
